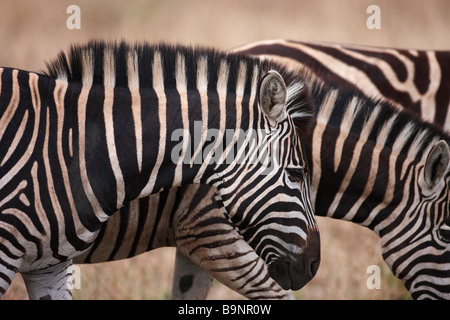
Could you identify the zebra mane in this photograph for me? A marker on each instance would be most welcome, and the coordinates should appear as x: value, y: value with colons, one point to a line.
x: 120, y: 64
x: 374, y: 119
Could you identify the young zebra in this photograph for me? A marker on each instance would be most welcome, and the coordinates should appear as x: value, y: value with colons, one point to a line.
x: 96, y: 133
x: 418, y: 80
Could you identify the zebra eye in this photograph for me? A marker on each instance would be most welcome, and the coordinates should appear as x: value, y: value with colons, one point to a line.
x: 444, y: 232
x: 296, y: 174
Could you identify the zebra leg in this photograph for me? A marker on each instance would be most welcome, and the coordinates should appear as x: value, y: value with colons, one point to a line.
x: 52, y: 283
x: 190, y: 282
x: 226, y: 256
x: 7, y: 272
x: 11, y: 258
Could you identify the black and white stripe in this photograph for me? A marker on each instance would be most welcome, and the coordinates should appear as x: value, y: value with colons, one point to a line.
x: 388, y: 171
x: 355, y: 155
x: 80, y: 143
x: 383, y: 169
x: 417, y: 80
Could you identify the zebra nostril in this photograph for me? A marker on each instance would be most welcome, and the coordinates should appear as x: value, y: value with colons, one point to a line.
x: 279, y: 271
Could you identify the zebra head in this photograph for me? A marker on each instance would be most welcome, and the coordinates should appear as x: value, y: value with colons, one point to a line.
x: 283, y: 231
x: 416, y: 241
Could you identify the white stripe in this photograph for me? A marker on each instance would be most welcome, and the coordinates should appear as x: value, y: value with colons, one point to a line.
x: 158, y: 86
x: 181, y: 85
x: 109, y: 83
x: 36, y: 103
x: 58, y: 96
x: 15, y: 143
x: 57, y: 210
x: 240, y: 87
x: 322, y: 119
x: 87, y: 68
x: 202, y: 87
x: 82, y: 102
x: 133, y: 85
x: 222, y: 80
x: 428, y: 103
x: 345, y: 126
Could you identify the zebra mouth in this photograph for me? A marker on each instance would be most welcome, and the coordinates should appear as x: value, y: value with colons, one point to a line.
x: 288, y: 276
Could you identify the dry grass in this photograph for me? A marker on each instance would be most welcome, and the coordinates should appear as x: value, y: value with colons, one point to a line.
x: 347, y: 251
x: 32, y: 32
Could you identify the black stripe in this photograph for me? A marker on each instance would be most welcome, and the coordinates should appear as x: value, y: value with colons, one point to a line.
x: 98, y: 165
x: 443, y: 93
x: 125, y: 140
x: 123, y: 226
x: 83, y: 207
x: 142, y: 218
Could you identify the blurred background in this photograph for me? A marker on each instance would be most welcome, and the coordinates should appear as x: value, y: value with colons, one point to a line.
x: 33, y: 32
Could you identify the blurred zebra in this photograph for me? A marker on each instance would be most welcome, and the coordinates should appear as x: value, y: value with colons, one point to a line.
x: 98, y: 132
x: 417, y: 80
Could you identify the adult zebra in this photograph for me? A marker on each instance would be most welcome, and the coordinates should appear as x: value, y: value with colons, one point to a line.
x: 417, y: 80
x: 376, y: 166
x: 79, y: 144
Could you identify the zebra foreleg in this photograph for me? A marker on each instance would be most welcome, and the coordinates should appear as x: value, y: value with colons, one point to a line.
x: 52, y: 283
x: 190, y: 282
x: 8, y: 270
x: 221, y: 251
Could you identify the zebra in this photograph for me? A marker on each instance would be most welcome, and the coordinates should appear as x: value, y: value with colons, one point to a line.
x: 417, y: 80
x: 360, y: 150
x: 96, y: 131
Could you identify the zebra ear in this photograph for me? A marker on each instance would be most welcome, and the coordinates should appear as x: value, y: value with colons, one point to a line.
x: 272, y: 97
x: 436, y: 164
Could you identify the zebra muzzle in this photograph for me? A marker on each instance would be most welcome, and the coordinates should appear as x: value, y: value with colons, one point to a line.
x: 296, y: 273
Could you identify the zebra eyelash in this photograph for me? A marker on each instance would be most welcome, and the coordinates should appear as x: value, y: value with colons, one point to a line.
x: 296, y: 174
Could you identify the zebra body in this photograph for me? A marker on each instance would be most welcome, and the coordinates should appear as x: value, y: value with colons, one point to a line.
x: 417, y: 80
x: 389, y: 172
x: 81, y: 143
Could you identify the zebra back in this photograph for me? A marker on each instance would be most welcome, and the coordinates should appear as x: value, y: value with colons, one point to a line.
x: 417, y: 80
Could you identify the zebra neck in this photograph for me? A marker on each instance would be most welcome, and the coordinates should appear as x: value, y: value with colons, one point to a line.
x: 344, y: 181
x: 366, y: 157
